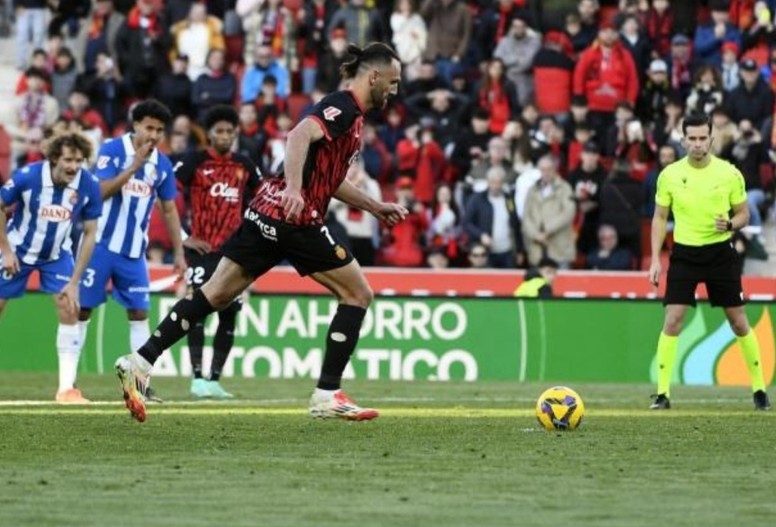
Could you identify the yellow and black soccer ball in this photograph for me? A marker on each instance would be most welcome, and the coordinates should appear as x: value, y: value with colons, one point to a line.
x: 560, y: 408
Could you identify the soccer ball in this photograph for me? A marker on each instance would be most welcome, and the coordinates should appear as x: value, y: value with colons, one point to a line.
x: 560, y: 408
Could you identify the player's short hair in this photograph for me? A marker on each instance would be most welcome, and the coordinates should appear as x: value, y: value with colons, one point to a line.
x: 696, y: 119
x: 221, y: 112
x: 373, y: 54
x: 74, y: 141
x: 153, y: 109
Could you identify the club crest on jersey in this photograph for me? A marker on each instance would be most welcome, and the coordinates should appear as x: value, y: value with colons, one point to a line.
x: 330, y: 112
x: 74, y: 198
x: 55, y: 213
x: 340, y: 251
x: 137, y: 188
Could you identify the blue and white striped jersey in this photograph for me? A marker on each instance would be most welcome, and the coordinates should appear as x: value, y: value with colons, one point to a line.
x: 39, y: 230
x: 123, y: 226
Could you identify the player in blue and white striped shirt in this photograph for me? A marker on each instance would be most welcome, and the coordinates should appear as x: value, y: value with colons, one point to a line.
x: 132, y: 173
x: 50, y: 196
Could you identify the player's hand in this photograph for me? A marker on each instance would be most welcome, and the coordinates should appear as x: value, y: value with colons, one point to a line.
x: 195, y: 244
x: 655, y: 269
x: 69, y: 296
x: 390, y: 213
x: 10, y: 262
x: 292, y: 203
x: 720, y: 224
x: 179, y: 265
x: 142, y: 154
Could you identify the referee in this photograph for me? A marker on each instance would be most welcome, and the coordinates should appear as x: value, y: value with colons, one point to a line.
x: 701, y: 190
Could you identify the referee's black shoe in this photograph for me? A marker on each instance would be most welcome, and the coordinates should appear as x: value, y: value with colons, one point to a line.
x: 761, y: 401
x: 661, y: 402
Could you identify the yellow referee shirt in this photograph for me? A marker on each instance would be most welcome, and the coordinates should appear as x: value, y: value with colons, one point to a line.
x: 697, y: 196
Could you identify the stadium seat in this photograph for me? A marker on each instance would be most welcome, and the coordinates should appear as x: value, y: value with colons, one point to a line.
x: 296, y: 103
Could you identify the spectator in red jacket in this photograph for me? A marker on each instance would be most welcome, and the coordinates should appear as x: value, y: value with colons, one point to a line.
x: 554, y: 67
x: 420, y: 157
x: 499, y: 95
x: 606, y: 75
x: 659, y: 24
x: 403, y: 247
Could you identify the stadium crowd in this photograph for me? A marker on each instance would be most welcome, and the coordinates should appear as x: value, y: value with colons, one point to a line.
x: 524, y: 129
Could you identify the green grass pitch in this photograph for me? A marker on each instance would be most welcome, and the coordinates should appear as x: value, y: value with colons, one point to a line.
x: 441, y: 454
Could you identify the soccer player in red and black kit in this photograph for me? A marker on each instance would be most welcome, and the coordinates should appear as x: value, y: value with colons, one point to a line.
x: 285, y: 221
x: 218, y: 186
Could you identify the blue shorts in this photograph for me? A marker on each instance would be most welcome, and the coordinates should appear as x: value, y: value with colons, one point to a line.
x: 54, y: 276
x: 129, y: 277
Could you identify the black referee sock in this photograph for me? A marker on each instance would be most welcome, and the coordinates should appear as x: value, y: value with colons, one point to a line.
x: 183, y: 316
x: 223, y: 340
x: 340, y: 343
x: 196, y: 340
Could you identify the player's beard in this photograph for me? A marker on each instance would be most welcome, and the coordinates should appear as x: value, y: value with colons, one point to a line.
x: 379, y: 100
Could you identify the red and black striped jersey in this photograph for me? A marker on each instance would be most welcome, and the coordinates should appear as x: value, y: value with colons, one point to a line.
x: 341, y: 117
x: 217, y: 190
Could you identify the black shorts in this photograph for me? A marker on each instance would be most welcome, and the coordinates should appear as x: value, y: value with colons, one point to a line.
x: 261, y: 243
x: 718, y: 266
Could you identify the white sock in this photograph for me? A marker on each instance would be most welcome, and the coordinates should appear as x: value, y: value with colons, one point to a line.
x: 326, y: 395
x: 83, y: 329
x: 138, y: 334
x: 143, y: 364
x: 68, y: 350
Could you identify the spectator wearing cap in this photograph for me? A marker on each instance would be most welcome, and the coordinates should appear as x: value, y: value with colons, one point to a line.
x: 490, y: 219
x: 586, y: 182
x: 753, y: 99
x: 710, y: 37
x: 537, y: 282
x: 215, y: 86
x: 517, y: 51
x: 449, y: 32
x: 706, y: 94
x: 730, y: 72
x: 553, y: 66
x: 655, y: 92
x: 141, y: 48
x: 579, y: 116
x: 680, y: 65
x: 606, y: 74
x: 194, y: 37
x: 97, y: 35
x: 410, y: 36
x: 549, y: 216
x: 361, y: 23
x: 659, y: 25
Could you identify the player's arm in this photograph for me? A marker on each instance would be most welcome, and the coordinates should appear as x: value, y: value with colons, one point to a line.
x: 659, y: 228
x: 391, y: 213
x: 110, y: 181
x: 10, y: 262
x: 172, y: 223
x: 86, y: 247
x: 739, y: 220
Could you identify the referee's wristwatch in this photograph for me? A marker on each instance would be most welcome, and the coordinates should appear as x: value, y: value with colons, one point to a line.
x: 729, y: 225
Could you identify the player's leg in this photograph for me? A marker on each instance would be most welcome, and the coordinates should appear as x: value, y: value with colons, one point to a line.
x: 53, y: 278
x: 681, y: 282
x: 200, y: 269
x: 92, y: 289
x: 354, y: 294
x: 746, y: 337
x: 222, y: 346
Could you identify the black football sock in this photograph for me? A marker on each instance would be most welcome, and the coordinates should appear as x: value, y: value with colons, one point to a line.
x: 340, y: 343
x: 185, y: 314
x: 196, y: 340
x: 223, y: 341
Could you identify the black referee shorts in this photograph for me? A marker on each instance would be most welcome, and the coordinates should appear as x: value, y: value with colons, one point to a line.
x: 717, y: 265
x: 261, y: 243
